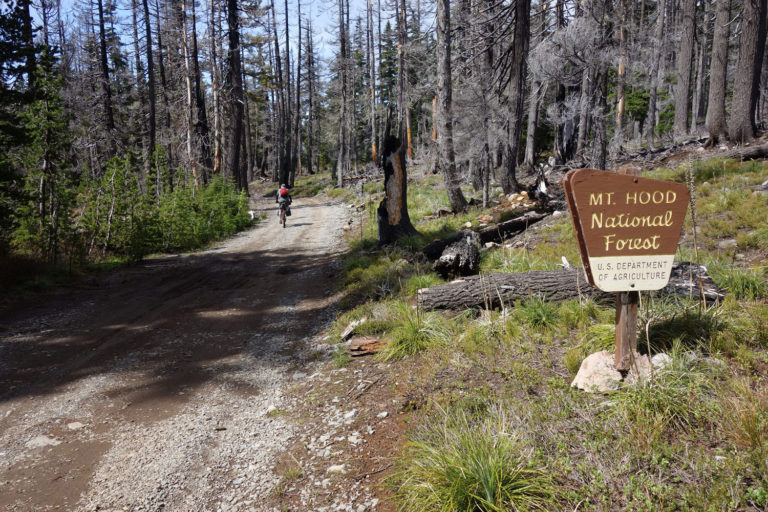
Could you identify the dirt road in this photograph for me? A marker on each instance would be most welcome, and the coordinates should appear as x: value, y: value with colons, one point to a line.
x: 160, y: 386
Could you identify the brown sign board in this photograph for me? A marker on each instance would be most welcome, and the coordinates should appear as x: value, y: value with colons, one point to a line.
x: 627, y: 227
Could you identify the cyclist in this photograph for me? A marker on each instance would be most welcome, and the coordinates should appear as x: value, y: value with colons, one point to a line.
x: 283, y: 200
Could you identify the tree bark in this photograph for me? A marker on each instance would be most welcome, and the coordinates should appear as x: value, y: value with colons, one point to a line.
x: 201, y: 123
x: 151, y: 128
x: 715, y: 121
x: 213, y: 25
x: 166, y: 100
x: 290, y: 156
x: 296, y: 169
x: 741, y: 126
x: 650, y: 120
x: 621, y: 72
x: 684, y: 61
x: 402, y: 82
x: 146, y: 152
x: 461, y: 258
x: 371, y: 57
x: 341, y: 160
x: 522, y: 35
x: 701, y: 56
x: 248, y: 146
x: 189, y: 111
x: 600, y: 140
x: 563, y: 145
x: 235, y: 85
x: 393, y: 218
x: 445, y: 108
x: 585, y: 107
x: 534, y: 100
x: 502, y: 290
x: 282, y: 166
x: 311, y: 93
x: 105, y: 84
x: 537, y: 94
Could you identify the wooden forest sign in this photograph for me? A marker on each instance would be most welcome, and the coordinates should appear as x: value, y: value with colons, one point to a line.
x: 627, y: 227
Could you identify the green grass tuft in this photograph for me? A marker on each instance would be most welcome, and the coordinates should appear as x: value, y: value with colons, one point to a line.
x: 679, y: 398
x: 414, y: 331
x: 461, y: 464
x: 537, y: 313
x: 744, y: 284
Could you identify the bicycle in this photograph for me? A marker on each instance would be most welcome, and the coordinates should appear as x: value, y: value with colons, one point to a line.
x: 283, y: 209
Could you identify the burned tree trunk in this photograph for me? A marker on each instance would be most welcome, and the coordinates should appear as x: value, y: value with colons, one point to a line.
x: 684, y: 61
x: 445, y: 109
x: 393, y: 216
x: 499, y: 290
x: 718, y: 72
x: 741, y: 126
x: 461, y: 258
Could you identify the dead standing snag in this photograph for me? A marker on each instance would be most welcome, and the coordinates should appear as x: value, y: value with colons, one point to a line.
x: 393, y: 218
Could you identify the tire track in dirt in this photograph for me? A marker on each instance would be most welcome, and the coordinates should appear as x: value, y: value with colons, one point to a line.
x: 160, y: 386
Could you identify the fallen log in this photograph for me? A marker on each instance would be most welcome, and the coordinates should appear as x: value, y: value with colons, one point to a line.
x: 738, y: 153
x: 510, y: 227
x: 495, y: 233
x: 741, y: 153
x: 501, y: 290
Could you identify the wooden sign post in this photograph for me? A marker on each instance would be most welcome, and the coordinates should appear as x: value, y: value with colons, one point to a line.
x: 627, y: 228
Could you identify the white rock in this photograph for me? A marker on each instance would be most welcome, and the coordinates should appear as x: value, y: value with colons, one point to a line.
x: 597, y: 374
x: 75, y: 425
x: 339, y: 468
x: 640, y: 370
x: 382, y: 414
x: 41, y: 441
x: 727, y: 244
x: 659, y: 361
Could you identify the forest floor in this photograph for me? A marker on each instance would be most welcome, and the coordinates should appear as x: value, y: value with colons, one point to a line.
x: 169, y: 384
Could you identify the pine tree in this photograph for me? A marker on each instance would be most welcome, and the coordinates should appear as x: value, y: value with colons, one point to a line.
x: 43, y: 217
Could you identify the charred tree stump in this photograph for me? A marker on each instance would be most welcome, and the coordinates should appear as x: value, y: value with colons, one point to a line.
x: 392, y: 213
x: 461, y: 258
x: 499, y: 290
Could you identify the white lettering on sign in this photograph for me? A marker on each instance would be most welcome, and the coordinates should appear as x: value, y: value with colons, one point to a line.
x: 655, y: 197
x: 627, y: 220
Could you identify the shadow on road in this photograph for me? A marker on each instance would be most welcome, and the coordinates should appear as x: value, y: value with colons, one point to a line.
x: 169, y: 325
